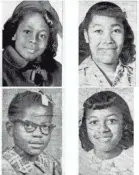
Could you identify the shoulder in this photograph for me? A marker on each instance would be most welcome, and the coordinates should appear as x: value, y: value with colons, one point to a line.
x: 85, y: 63
x: 130, y: 73
x: 59, y: 65
x: 125, y: 161
x: 57, y: 74
x: 51, y: 161
x: 7, y: 169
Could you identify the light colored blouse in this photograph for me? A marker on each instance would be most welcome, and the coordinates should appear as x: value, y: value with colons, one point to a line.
x: 89, y: 164
x: 91, y: 75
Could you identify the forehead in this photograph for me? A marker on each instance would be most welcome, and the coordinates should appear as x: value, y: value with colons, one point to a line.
x: 34, y: 19
x: 105, y: 20
x: 104, y: 113
x: 38, y: 114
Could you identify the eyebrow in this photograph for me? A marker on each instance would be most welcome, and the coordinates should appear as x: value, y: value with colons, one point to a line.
x: 43, y: 29
x: 113, y: 25
x: 95, y: 117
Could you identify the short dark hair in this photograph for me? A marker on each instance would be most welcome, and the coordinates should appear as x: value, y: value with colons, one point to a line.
x: 103, y: 100
x: 112, y: 10
x: 24, y: 100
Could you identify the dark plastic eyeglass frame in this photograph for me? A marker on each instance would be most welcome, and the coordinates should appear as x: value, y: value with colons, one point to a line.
x: 50, y: 127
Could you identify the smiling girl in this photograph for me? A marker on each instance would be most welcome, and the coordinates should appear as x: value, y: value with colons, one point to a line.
x: 30, y: 45
x: 106, y: 135
x: 106, y: 47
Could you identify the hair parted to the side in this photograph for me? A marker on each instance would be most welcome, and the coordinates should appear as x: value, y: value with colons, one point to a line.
x: 29, y: 7
x: 104, y: 100
x: 24, y: 100
x: 111, y: 10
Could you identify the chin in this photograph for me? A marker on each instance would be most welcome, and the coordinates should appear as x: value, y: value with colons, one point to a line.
x: 107, y: 60
x: 106, y: 147
x: 28, y: 58
x: 35, y: 152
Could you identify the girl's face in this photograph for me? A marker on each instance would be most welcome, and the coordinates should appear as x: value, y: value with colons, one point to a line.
x: 105, y: 36
x: 31, y: 37
x: 104, y: 128
x: 33, y: 143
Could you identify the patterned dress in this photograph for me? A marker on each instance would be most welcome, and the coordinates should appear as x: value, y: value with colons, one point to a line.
x: 91, y: 75
x: 14, y: 164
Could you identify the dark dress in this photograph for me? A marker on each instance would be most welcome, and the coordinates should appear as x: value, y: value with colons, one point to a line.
x: 18, y: 72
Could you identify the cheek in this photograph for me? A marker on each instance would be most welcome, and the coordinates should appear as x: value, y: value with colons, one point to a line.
x: 42, y: 45
x: 119, y: 40
x: 20, y: 135
x: 46, y: 139
x: 116, y: 131
x: 91, y: 133
x: 94, y: 39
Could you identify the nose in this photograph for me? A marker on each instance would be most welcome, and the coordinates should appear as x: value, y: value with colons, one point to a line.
x: 37, y: 132
x: 107, y: 38
x: 33, y: 38
x: 104, y: 127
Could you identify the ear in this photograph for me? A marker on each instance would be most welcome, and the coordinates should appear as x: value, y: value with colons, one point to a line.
x: 10, y: 128
x: 86, y: 36
x: 14, y: 37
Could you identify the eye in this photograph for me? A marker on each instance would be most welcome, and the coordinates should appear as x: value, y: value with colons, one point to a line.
x: 98, y: 31
x: 42, y: 36
x: 27, y: 31
x: 45, y: 126
x: 93, y: 122
x: 28, y: 124
x: 117, y: 31
x: 112, y: 121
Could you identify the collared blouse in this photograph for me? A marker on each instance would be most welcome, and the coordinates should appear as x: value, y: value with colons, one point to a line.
x: 91, y: 75
x: 90, y: 164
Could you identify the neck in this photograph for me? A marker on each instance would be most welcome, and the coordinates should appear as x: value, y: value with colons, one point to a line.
x: 24, y: 155
x: 107, y: 68
x: 108, y: 154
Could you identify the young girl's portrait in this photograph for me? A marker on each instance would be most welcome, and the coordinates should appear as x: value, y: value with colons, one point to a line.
x: 31, y: 50
x: 107, y: 37
x: 106, y: 132
x: 32, y: 132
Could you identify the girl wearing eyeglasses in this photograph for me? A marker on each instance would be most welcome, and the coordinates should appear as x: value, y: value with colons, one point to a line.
x: 30, y: 124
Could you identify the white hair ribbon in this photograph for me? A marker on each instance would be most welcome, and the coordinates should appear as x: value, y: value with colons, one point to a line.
x: 44, y: 98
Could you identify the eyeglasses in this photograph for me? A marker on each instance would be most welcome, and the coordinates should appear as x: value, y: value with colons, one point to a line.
x: 31, y: 126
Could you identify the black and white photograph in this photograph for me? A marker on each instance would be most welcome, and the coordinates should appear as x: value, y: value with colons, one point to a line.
x: 107, y: 43
x: 32, y: 43
x: 106, y: 131
x: 32, y: 132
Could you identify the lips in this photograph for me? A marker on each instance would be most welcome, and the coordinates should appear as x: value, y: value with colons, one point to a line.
x: 31, y: 51
x: 36, y: 145
x: 104, y: 138
x: 36, y: 142
x: 107, y: 48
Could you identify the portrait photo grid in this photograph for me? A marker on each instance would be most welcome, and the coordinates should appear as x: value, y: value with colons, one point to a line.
x: 69, y: 94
